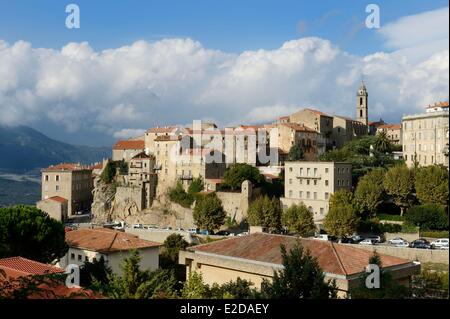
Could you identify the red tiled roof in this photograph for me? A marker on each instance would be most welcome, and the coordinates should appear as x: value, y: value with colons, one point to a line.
x: 142, y: 155
x: 15, y: 267
x: 164, y: 129
x: 438, y: 104
x: 299, y: 127
x: 333, y: 258
x: 129, y: 145
x: 106, y: 240
x: 97, y: 166
x: 66, y: 167
x: 58, y: 199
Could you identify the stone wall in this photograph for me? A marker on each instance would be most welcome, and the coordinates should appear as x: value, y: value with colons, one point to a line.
x: 414, y: 254
x: 160, y: 235
x: 236, y: 204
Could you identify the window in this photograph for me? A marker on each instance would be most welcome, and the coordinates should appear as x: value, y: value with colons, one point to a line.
x: 307, y: 182
x: 301, y: 171
x: 57, y: 178
x: 290, y: 181
x: 326, y: 170
x: 315, y: 195
x: 300, y: 194
x: 79, y: 257
x: 315, y: 172
x: 86, y: 259
x: 290, y: 169
x: 308, y: 195
x: 326, y: 182
x: 72, y: 256
x: 321, y: 211
x: 290, y: 193
x: 339, y: 182
x: 315, y: 182
x: 57, y: 188
x: 308, y: 171
x: 327, y: 195
x: 46, y: 178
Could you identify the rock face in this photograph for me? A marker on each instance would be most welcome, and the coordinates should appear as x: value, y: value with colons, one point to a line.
x: 114, y: 203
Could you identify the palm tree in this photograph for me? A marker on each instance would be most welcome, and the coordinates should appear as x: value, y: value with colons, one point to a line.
x: 382, y: 143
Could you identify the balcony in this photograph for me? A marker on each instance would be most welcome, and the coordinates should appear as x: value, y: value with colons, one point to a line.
x: 304, y: 176
x: 185, y: 177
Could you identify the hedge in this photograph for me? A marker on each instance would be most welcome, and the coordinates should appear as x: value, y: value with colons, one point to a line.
x: 396, y: 218
x: 434, y: 234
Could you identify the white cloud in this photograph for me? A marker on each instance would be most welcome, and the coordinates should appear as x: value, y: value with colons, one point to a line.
x: 127, y: 133
x: 418, y: 36
x: 123, y: 90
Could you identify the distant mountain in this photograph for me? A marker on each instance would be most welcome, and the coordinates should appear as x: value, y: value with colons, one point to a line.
x: 24, y: 149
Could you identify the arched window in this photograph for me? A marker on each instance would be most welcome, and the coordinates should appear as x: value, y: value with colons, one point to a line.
x: 360, y: 113
x: 361, y: 101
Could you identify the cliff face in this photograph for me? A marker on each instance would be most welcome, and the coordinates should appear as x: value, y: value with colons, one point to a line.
x: 112, y: 203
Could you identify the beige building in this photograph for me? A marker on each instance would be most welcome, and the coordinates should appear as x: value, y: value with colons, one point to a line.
x: 55, y: 207
x: 362, y: 105
x: 92, y: 244
x: 257, y: 256
x: 316, y: 120
x: 126, y: 149
x: 72, y: 182
x: 346, y: 129
x: 425, y: 136
x: 312, y: 183
x: 393, y: 132
x: 290, y: 134
x: 153, y: 133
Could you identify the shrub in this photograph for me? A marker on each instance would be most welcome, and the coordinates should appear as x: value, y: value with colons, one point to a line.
x: 179, y: 196
x: 196, y: 186
x: 435, y: 234
x: 428, y: 217
x: 389, y: 217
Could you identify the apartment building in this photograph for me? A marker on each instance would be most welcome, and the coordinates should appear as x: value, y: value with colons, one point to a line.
x: 346, y: 129
x: 316, y: 120
x: 425, y: 136
x: 126, y: 149
x: 290, y: 134
x: 153, y: 133
x: 72, y: 182
x: 393, y: 132
x: 312, y: 183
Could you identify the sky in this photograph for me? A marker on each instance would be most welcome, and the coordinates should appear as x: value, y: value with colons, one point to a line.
x: 136, y: 64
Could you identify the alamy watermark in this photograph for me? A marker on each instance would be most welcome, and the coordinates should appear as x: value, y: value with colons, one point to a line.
x: 373, y: 277
x: 73, y: 17
x: 373, y: 19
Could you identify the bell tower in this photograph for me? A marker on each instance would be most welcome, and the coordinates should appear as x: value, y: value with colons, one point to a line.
x: 362, y: 104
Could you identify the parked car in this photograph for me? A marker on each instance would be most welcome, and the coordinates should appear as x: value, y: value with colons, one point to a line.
x: 192, y: 230
x: 167, y: 228
x: 321, y: 236
x: 245, y: 233
x: 347, y: 241
x: 138, y: 226
x: 441, y: 243
x: 223, y: 233
x: 180, y: 229
x: 357, y: 238
x: 396, y: 241
x: 403, y: 244
x: 203, y: 232
x: 367, y: 241
x: 151, y: 227
x: 376, y: 239
x: 420, y: 243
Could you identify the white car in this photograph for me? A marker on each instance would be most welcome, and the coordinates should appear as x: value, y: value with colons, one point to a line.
x: 404, y: 244
x: 441, y: 243
x: 321, y: 237
x: 192, y: 230
x: 396, y: 241
x: 138, y: 226
x: 367, y: 241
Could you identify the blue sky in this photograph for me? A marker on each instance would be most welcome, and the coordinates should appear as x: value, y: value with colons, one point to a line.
x: 231, y: 26
x: 137, y: 64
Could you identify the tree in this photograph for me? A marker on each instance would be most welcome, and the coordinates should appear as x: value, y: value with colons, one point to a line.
x: 427, y: 217
x: 431, y: 183
x: 382, y: 143
x: 265, y: 212
x: 389, y: 287
x: 94, y: 275
x: 301, y: 278
x: 342, y: 219
x: 296, y: 153
x: 29, y: 232
x: 208, y: 212
x: 240, y: 172
x: 168, y: 259
x: 137, y: 284
x: 399, y: 183
x: 194, y: 287
x: 299, y: 219
x: 108, y: 172
x: 178, y: 195
x: 369, y: 191
x: 196, y: 186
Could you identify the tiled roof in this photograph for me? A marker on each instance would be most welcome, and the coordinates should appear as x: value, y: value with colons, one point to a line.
x: 439, y: 104
x: 58, y: 199
x: 66, y: 167
x: 318, y: 112
x: 106, y: 240
x: 299, y: 127
x: 142, y: 155
x: 390, y: 126
x: 129, y: 145
x: 18, y: 266
x: 164, y: 129
x: 333, y: 258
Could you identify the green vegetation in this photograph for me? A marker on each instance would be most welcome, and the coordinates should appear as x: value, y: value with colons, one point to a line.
x: 427, y: 217
x: 431, y: 183
x: 369, y: 192
x: 196, y: 185
x: 296, y: 153
x: 301, y: 278
x: 266, y: 212
x: 112, y: 168
x: 299, y: 219
x: 168, y: 259
x: 431, y: 285
x: 195, y: 288
x: 178, y: 195
x: 399, y: 184
x: 208, y: 212
x: 342, y: 219
x: 93, y: 275
x: 390, y: 217
x: 29, y: 232
x: 238, y: 173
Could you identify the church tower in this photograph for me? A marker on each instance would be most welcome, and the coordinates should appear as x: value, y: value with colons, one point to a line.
x: 362, y: 105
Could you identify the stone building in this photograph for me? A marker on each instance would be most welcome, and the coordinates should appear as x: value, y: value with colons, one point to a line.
x: 55, y: 207
x: 316, y: 120
x: 312, y: 183
x: 425, y: 136
x: 362, y: 105
x: 346, y: 129
x: 257, y: 256
x: 72, y: 182
x: 126, y: 149
x: 153, y: 133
